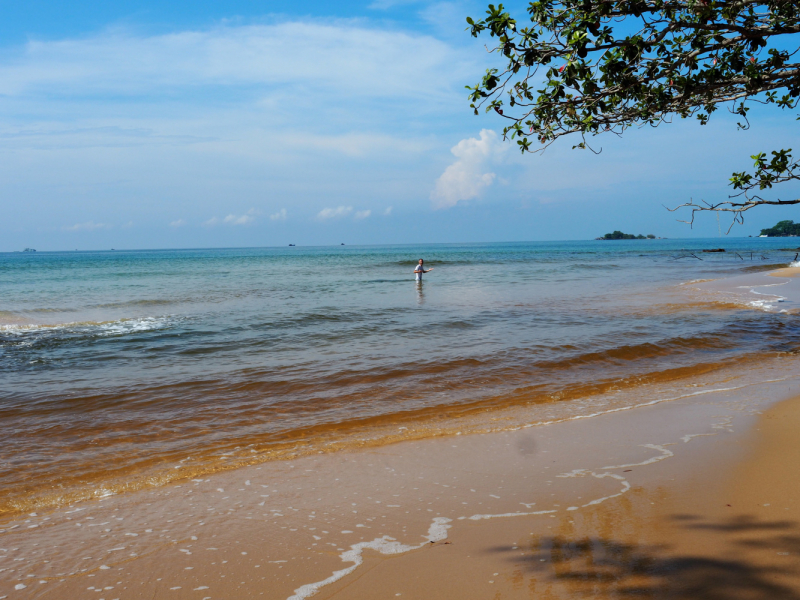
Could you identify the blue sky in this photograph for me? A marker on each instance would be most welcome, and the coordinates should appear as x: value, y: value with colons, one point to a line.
x: 242, y: 123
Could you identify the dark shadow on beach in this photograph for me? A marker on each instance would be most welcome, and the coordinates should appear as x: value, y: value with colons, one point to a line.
x: 745, y: 558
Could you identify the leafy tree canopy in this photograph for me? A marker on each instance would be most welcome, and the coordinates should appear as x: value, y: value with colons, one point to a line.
x: 618, y: 235
x: 587, y: 67
x: 782, y: 229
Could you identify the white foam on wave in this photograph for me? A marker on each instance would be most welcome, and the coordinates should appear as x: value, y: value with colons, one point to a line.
x: 770, y: 298
x: 135, y: 325
x: 696, y: 281
x: 632, y: 406
x: 760, y: 285
x: 505, y: 515
x: 103, y: 328
x: 767, y: 303
x: 384, y: 545
x: 762, y: 304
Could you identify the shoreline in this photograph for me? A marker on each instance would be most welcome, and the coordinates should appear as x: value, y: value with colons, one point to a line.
x: 757, y: 290
x: 358, y: 523
x: 501, y: 414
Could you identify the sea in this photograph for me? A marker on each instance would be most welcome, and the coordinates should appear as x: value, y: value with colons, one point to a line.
x: 122, y: 370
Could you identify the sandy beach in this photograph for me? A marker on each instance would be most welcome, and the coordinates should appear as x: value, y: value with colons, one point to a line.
x: 685, y: 498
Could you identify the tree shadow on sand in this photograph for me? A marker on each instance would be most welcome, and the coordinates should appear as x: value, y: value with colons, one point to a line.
x: 595, y: 567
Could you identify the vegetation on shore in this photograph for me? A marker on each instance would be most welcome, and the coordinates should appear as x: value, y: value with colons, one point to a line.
x: 618, y: 235
x: 782, y: 229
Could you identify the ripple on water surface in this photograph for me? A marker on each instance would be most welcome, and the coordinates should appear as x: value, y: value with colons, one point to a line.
x: 130, y: 369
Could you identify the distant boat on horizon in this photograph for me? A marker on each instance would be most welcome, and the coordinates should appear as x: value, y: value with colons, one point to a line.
x: 291, y: 244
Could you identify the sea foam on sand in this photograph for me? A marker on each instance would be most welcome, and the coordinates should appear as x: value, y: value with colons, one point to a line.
x: 384, y: 545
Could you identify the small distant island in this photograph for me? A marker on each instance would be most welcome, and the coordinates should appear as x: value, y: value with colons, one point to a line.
x: 618, y: 235
x: 782, y: 229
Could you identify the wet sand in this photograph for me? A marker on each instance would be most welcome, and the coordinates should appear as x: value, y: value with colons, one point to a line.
x: 632, y: 502
x: 777, y: 290
x: 728, y: 528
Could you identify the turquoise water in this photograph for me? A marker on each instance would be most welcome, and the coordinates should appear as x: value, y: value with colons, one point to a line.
x: 118, y: 367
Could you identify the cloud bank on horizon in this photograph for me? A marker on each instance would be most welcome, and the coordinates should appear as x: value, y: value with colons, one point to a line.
x: 308, y: 129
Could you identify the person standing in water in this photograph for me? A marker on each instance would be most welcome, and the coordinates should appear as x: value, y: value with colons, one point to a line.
x: 420, y: 269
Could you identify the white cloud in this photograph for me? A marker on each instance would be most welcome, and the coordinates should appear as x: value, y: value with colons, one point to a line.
x: 178, y: 223
x: 465, y: 178
x: 212, y: 112
x: 332, y: 213
x: 355, y: 144
x: 88, y: 226
x: 338, y: 55
x: 231, y: 219
x: 388, y: 211
x: 237, y: 220
x: 279, y: 216
x: 363, y: 214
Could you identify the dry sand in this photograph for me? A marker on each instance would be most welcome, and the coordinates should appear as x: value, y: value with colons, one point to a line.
x: 785, y: 272
x: 628, y: 503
